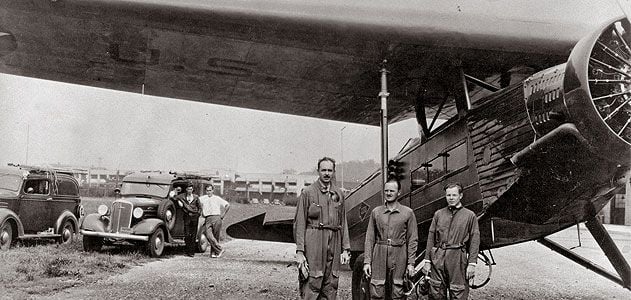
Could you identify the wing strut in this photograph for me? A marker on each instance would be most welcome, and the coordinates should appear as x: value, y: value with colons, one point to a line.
x: 608, y: 246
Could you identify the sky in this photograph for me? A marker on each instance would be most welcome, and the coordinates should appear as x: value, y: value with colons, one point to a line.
x: 47, y: 122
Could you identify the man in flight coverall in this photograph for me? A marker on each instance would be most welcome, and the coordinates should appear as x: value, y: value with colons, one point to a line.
x: 452, y: 248
x: 321, y: 233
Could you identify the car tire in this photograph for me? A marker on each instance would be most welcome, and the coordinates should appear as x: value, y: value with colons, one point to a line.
x: 166, y: 212
x: 202, y: 242
x: 155, y: 245
x: 67, y: 233
x: 92, y: 243
x: 6, y: 235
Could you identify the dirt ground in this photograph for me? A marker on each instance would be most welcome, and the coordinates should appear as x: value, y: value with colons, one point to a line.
x: 264, y: 270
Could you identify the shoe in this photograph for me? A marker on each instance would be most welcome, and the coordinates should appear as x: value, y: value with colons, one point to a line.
x: 190, y: 254
x: 213, y: 255
x: 219, y: 254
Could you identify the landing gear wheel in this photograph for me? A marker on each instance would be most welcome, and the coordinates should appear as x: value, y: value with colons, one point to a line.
x: 67, y: 233
x: 360, y: 288
x: 482, y: 272
x: 6, y: 235
x: 92, y: 243
x: 155, y: 245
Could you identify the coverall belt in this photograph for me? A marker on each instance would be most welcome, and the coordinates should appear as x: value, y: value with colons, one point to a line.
x: 452, y: 246
x: 322, y: 227
x: 389, y: 242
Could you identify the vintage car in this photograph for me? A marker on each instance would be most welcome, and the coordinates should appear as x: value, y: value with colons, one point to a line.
x: 38, y: 203
x: 145, y: 215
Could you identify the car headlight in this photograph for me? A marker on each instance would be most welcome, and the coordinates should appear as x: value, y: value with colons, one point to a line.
x: 103, y: 209
x: 138, y: 212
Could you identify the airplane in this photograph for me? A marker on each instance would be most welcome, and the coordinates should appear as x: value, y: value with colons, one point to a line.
x: 535, y: 94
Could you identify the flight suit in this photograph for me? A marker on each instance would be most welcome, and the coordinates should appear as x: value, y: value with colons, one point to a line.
x: 391, y: 241
x: 191, y: 218
x: 321, y: 232
x: 452, y: 243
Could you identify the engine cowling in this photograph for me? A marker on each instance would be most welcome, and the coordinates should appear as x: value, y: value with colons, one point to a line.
x: 592, y: 91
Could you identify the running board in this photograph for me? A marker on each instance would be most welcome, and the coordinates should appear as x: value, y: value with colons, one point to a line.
x: 608, y: 246
x: 39, y: 236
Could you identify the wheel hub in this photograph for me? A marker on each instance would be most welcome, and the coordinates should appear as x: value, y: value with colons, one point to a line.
x: 4, y: 237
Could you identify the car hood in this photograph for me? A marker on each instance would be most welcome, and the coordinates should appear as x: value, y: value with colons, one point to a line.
x: 142, y: 201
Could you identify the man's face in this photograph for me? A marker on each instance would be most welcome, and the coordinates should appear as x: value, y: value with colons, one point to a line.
x: 189, y: 190
x: 391, y: 190
x: 325, y: 171
x: 209, y: 190
x: 453, y: 196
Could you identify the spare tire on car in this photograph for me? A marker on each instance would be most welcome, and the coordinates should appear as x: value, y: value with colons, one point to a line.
x: 166, y: 212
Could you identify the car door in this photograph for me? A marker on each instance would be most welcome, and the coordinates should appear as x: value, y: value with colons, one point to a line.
x: 65, y: 198
x: 35, y: 203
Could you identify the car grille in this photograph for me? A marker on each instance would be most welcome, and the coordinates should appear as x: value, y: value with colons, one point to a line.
x: 121, y: 215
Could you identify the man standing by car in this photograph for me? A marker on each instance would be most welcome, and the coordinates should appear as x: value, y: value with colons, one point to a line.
x: 452, y: 248
x: 321, y: 234
x: 390, y: 247
x: 189, y: 203
x: 214, y: 209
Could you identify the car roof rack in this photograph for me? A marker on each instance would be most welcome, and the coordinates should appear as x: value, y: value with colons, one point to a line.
x: 42, y: 169
x: 184, y: 176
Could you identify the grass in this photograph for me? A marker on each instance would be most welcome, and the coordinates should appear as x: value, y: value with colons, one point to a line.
x: 38, y: 268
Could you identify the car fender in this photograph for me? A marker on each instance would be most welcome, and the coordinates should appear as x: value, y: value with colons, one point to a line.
x: 94, y: 222
x: 66, y: 215
x: 7, y: 214
x: 148, y: 226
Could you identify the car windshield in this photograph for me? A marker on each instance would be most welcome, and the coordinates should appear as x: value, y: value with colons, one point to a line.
x: 10, y: 184
x: 150, y: 189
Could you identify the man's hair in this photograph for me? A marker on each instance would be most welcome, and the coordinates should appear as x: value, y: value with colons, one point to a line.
x: 395, y: 181
x: 453, y: 185
x: 210, y: 186
x: 190, y: 184
x: 326, y: 158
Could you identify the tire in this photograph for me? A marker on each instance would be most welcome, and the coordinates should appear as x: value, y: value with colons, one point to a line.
x: 155, y: 245
x: 92, y: 243
x: 359, y: 285
x: 6, y: 235
x: 166, y: 212
x: 67, y: 233
x: 202, y: 242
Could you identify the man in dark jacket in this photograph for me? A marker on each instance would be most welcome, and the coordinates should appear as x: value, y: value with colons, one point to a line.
x: 321, y: 235
x: 452, y: 248
x: 189, y: 203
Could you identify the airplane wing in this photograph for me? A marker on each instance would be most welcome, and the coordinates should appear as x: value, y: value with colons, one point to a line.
x: 303, y: 57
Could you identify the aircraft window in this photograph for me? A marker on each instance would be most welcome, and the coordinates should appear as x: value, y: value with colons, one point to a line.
x: 419, y: 177
x: 67, y: 187
x: 436, y: 168
x: 457, y: 158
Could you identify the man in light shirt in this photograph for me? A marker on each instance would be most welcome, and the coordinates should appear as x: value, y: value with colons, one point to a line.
x: 214, y: 209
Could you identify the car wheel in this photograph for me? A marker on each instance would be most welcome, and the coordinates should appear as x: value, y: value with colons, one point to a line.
x: 166, y: 212
x: 67, y: 233
x: 6, y: 235
x: 202, y: 242
x: 92, y: 243
x: 155, y: 246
